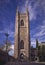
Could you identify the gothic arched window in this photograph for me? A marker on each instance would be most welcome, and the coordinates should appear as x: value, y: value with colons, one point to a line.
x: 22, y: 23
x: 21, y: 44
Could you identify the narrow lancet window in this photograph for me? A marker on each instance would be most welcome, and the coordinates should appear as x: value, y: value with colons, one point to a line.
x: 22, y: 44
x: 22, y: 23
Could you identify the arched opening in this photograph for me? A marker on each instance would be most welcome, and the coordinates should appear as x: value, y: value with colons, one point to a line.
x: 22, y: 23
x: 21, y: 44
x: 21, y: 56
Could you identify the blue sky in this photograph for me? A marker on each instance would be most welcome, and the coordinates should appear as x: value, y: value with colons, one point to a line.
x: 36, y: 10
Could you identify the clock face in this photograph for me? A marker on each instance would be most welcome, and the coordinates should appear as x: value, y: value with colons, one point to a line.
x: 22, y: 22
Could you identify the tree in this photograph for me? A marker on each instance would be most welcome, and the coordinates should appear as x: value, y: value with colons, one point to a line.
x: 6, y: 46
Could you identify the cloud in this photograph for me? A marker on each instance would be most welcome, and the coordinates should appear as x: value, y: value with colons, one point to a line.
x: 11, y: 52
x: 37, y: 8
x: 12, y: 47
x: 33, y: 43
x: 11, y: 33
x: 10, y: 30
x: 26, y: 4
x: 39, y: 3
x: 43, y: 22
x: 40, y: 30
x: 32, y: 12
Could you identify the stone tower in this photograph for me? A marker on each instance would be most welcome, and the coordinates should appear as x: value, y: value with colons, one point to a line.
x: 22, y: 35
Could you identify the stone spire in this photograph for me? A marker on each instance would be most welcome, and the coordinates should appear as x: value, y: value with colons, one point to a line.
x: 17, y: 11
x: 27, y: 7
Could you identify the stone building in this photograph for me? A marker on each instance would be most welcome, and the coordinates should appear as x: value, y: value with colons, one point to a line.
x: 40, y: 51
x: 22, y: 35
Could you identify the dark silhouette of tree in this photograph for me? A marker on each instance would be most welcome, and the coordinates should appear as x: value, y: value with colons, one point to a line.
x: 7, y: 44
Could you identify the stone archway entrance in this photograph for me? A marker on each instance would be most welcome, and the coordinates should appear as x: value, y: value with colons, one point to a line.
x: 22, y: 57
